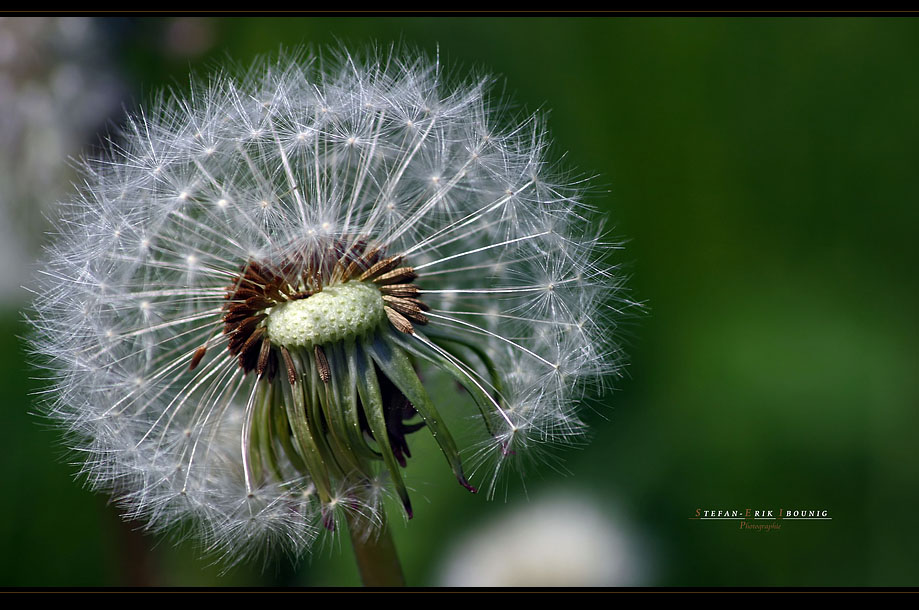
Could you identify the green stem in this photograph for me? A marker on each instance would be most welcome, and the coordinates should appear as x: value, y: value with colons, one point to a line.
x: 375, y: 554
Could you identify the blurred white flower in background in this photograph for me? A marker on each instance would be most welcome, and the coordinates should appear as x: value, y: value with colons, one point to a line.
x: 563, y: 539
x: 57, y: 88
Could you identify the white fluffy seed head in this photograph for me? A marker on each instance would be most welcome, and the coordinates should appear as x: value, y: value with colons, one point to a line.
x: 297, y: 154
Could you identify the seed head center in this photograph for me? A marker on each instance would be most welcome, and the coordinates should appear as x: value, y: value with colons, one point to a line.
x: 339, y: 313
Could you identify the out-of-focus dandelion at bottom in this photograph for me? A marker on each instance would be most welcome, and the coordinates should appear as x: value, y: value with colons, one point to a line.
x: 562, y: 539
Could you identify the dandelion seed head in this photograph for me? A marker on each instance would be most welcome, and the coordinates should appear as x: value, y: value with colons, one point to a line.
x: 245, y: 299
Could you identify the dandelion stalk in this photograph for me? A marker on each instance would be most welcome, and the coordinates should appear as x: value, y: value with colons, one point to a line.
x: 376, y: 556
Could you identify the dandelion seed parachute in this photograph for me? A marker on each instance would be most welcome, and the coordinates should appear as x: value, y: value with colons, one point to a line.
x: 244, y: 291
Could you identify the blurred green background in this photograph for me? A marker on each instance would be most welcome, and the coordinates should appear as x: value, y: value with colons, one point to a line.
x: 765, y: 174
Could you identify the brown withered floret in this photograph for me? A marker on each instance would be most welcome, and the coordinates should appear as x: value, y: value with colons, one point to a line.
x: 261, y: 285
